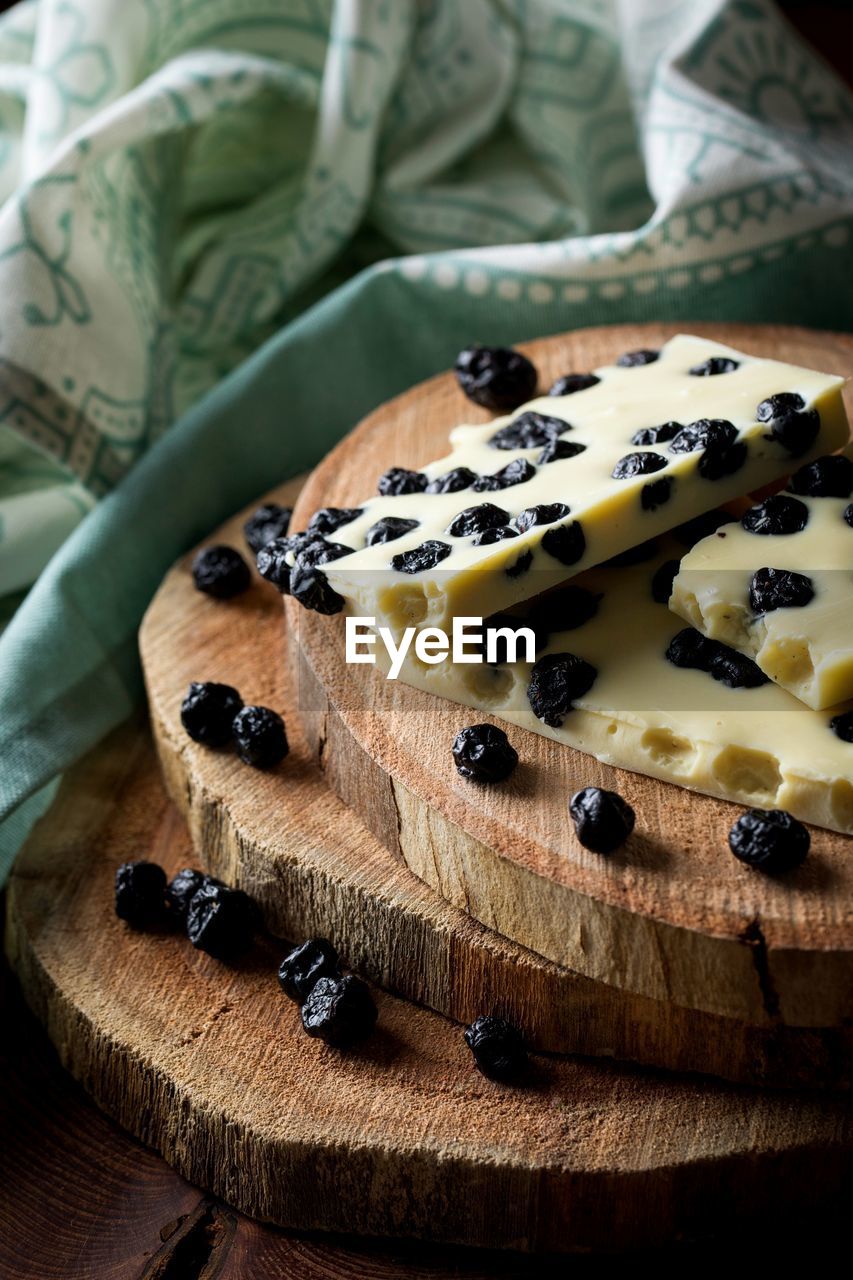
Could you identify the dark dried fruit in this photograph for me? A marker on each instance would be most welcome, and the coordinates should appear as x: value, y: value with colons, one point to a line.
x: 657, y: 435
x: 657, y: 493
x: 792, y: 425
x: 309, y: 585
x: 529, y: 431
x: 775, y: 406
x: 483, y: 753
x: 452, y: 481
x: 208, y: 711
x: 516, y: 472
x: 221, y: 921
x: 302, y: 967
x: 717, y: 438
x: 497, y: 378
x: 499, y: 534
x: 274, y: 560
x: 848, y: 515
x: 638, y: 464
x: 544, y: 513
x: 690, y: 649
x: 220, y: 572
x: 662, y: 580
x: 419, y: 559
x: 339, y: 1011
x: 779, y: 589
x: 565, y: 609
x: 388, y: 528
x: 268, y: 522
x: 634, y: 359
x: 827, y: 477
x: 182, y: 889
x: 330, y: 519
x: 557, y: 450
x: 572, y: 382
x: 778, y: 515
x: 714, y: 365
x: 842, y: 726
x: 259, y: 737
x: 398, y: 481
x: 519, y: 566
x: 140, y: 894
x: 566, y: 543
x: 497, y: 1047
x: 693, y: 531
x: 477, y: 519
x: 769, y: 840
x: 603, y: 820
x: 555, y: 682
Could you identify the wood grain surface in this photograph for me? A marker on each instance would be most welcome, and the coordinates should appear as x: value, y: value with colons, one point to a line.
x: 316, y: 868
x: 400, y: 1137
x: 672, y: 916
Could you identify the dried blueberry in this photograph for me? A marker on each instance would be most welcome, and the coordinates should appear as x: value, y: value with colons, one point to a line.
x: 662, y: 580
x: 639, y: 554
x: 691, y: 650
x: 309, y: 585
x: 221, y: 921
x: 497, y: 1047
x: 339, y: 1011
x: 779, y: 589
x: 776, y: 405
x: 388, y: 529
x: 483, y: 753
x: 516, y: 472
x: 735, y: 670
x: 304, y: 965
x: 220, y: 572
x: 791, y: 424
x: 848, y: 515
x: 268, y: 522
x: 452, y: 481
x: 776, y: 516
x: 519, y: 566
x: 259, y: 737
x: 657, y: 493
x: 657, y: 435
x: 140, y: 894
x: 477, y: 519
x: 714, y: 365
x: 330, y: 519
x: 828, y: 477
x: 572, y: 382
x: 544, y: 513
x: 208, y: 711
x: 842, y: 726
x: 418, y: 559
x: 566, y: 543
x: 555, y: 682
x: 499, y: 534
x: 693, y: 531
x: 634, y: 359
x: 181, y: 890
x: 603, y: 820
x: 638, y: 464
x: 274, y: 560
x: 557, y: 450
x: 529, y: 431
x: 770, y: 840
x: 497, y: 378
x: 716, y: 437
x: 398, y: 481
x: 564, y: 609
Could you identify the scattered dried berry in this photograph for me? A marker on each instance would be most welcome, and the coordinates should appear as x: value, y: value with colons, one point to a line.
x: 516, y: 472
x: 498, y: 534
x: 330, y: 519
x: 140, y: 894
x: 842, y: 726
x: 544, y: 513
x: 399, y: 481
x: 662, y: 580
x: 452, y: 481
x: 519, y: 566
x: 477, y: 519
x: 220, y: 572
x: 339, y: 1011
x: 566, y: 543
x: 268, y: 522
x: 638, y: 464
x: 779, y: 589
x: 634, y: 359
x: 769, y: 840
x: 722, y: 455
x: 483, y: 753
x: 274, y: 560
x: 557, y: 450
x: 602, y: 819
x: 221, y: 921
x: 208, y: 711
x: 529, y: 431
x: 778, y: 515
x: 555, y: 682
x: 309, y: 585
x: 657, y: 493
x: 690, y: 649
x: 259, y: 737
x: 302, y: 967
x: 388, y: 528
x: 182, y: 889
x: 497, y: 1047
x: 791, y: 424
x: 419, y: 559
x: 713, y: 366
x: 497, y: 378
x: 564, y: 609
x: 828, y: 477
x: 572, y: 382
x: 657, y: 435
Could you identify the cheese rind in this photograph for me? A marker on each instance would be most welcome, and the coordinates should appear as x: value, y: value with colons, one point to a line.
x: 607, y: 515
x: 806, y: 649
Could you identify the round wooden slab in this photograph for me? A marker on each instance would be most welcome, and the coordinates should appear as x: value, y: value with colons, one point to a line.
x: 315, y: 868
x: 672, y: 915
x: 401, y: 1136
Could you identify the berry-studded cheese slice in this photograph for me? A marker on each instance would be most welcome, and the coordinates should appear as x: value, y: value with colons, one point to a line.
x: 778, y: 586
x: 618, y: 675
x: 568, y: 481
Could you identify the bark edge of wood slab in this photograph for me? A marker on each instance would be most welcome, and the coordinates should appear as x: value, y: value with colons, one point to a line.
x: 401, y: 1136
x: 678, y: 919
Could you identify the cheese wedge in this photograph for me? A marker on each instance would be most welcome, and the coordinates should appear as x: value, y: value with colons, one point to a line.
x: 592, y: 483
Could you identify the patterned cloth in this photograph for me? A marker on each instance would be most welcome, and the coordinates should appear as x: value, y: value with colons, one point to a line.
x: 354, y: 189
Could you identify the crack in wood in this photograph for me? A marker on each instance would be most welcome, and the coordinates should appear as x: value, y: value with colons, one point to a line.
x: 195, y: 1247
x: 753, y: 936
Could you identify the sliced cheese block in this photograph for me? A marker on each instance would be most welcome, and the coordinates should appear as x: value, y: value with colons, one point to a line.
x: 600, y: 493
x: 783, y: 598
x: 756, y: 745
